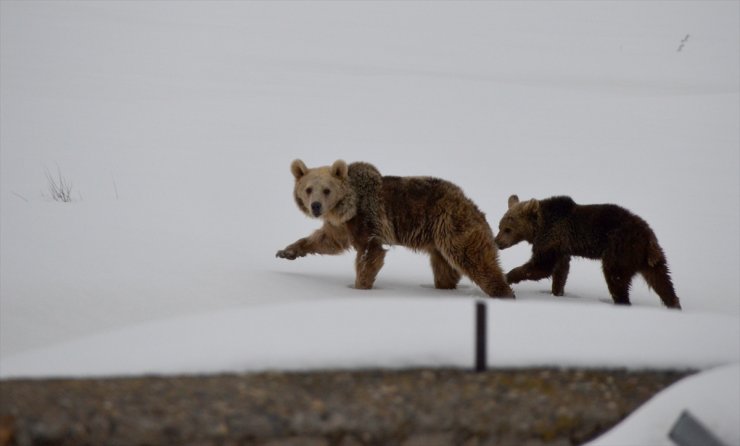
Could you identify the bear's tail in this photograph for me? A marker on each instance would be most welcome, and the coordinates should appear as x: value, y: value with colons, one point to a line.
x: 655, y: 255
x: 657, y: 275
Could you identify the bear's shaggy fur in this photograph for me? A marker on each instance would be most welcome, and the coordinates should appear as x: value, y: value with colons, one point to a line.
x: 558, y: 228
x: 364, y: 210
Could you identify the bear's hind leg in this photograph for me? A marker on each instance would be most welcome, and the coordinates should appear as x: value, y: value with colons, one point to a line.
x: 475, y: 255
x: 560, y: 275
x: 618, y: 280
x: 445, y: 276
x: 659, y: 279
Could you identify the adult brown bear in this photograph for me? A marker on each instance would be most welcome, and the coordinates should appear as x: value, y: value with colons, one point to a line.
x: 364, y: 210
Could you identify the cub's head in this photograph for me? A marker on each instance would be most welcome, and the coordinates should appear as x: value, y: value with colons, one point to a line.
x: 324, y: 192
x: 519, y: 223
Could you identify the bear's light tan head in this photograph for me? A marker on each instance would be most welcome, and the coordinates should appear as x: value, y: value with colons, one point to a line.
x: 519, y: 223
x: 324, y: 192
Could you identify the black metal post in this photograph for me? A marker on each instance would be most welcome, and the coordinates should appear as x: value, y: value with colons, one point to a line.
x: 688, y: 431
x: 480, y: 337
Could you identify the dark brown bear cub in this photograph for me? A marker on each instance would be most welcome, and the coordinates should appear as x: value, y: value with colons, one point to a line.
x: 364, y: 210
x: 558, y: 228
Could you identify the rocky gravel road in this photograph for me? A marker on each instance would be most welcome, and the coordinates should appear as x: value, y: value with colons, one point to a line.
x: 334, y: 408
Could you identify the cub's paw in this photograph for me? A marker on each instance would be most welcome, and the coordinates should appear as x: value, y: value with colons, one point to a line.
x: 287, y: 254
x: 514, y: 276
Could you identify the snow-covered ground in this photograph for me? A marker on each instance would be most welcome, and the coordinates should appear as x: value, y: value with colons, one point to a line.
x: 704, y: 394
x: 176, y: 123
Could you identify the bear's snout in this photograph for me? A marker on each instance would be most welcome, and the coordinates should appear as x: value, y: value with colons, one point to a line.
x: 316, y: 208
x: 501, y: 244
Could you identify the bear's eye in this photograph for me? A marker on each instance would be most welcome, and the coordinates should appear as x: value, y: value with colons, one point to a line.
x: 327, y: 191
x: 308, y: 191
x: 507, y: 231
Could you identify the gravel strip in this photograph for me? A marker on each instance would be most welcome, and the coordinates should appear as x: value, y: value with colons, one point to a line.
x: 333, y: 408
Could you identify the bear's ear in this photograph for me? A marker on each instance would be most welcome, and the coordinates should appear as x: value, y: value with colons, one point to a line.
x: 513, y: 200
x: 339, y: 169
x: 298, y: 169
x: 532, y: 207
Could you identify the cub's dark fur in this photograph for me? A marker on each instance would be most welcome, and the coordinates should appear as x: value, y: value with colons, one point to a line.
x: 558, y: 228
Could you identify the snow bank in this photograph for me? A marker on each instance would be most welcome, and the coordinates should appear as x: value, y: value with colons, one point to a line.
x: 713, y: 397
x: 364, y: 332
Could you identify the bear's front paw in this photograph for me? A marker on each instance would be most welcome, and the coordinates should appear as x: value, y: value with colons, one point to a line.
x: 287, y: 254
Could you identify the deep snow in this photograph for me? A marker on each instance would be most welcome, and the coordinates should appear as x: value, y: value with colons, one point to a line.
x: 176, y: 123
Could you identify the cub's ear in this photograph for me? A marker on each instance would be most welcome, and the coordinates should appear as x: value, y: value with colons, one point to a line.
x: 513, y: 200
x: 298, y: 169
x: 339, y: 169
x: 532, y: 206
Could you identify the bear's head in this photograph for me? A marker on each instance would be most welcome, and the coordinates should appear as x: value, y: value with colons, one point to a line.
x: 324, y: 192
x: 519, y: 223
